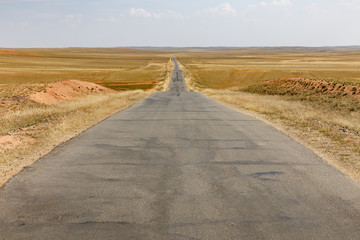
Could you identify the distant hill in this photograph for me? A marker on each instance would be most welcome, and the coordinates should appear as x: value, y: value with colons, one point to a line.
x: 222, y: 48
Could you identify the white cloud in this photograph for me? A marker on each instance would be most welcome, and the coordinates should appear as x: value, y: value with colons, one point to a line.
x: 222, y: 9
x: 140, y: 12
x: 72, y: 19
x: 112, y: 19
x: 282, y: 3
x: 249, y: 8
x: 279, y: 3
x: 167, y: 14
x: 24, y: 24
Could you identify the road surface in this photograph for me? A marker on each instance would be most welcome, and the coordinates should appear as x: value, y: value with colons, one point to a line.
x: 178, y: 165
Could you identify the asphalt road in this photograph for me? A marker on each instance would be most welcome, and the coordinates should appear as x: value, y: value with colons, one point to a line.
x: 178, y: 165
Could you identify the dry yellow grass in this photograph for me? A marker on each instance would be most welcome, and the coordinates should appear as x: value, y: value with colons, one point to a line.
x: 239, y: 68
x: 102, y: 65
x: 163, y: 84
x: 324, y: 121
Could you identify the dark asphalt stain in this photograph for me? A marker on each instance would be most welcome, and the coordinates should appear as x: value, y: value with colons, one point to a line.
x: 268, y: 173
x: 260, y: 162
x: 285, y: 218
x: 102, y: 223
x: 21, y: 224
x: 267, y: 176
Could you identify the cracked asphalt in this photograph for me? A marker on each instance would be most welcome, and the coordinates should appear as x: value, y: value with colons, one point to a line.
x: 179, y: 165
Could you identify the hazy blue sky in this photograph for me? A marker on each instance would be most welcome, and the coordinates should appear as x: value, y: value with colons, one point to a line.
x: 105, y: 23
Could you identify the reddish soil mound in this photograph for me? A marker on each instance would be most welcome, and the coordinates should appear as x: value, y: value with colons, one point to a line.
x: 293, y: 86
x: 65, y: 90
x: 11, y: 142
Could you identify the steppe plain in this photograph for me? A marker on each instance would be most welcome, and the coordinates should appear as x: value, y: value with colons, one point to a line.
x: 48, y: 96
x: 179, y: 165
x: 312, y: 94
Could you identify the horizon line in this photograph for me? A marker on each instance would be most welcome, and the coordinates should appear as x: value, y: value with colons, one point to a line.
x: 193, y: 47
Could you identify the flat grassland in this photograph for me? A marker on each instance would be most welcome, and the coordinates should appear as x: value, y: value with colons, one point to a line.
x: 312, y: 94
x: 29, y: 129
x: 121, y: 69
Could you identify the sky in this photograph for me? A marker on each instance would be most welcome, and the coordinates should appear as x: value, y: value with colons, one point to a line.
x: 185, y: 23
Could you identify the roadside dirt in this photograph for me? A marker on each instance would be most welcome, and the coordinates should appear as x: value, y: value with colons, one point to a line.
x: 66, y: 90
x: 10, y: 142
x: 45, y: 94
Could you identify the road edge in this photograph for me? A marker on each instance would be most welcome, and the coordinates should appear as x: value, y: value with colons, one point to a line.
x: 291, y: 132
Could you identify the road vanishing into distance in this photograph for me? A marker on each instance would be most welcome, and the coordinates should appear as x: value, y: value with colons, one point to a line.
x: 179, y: 165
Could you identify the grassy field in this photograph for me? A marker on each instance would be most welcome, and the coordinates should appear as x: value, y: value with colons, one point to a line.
x: 239, y: 68
x: 313, y: 94
x: 23, y: 72
x: 121, y: 69
x: 29, y: 129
